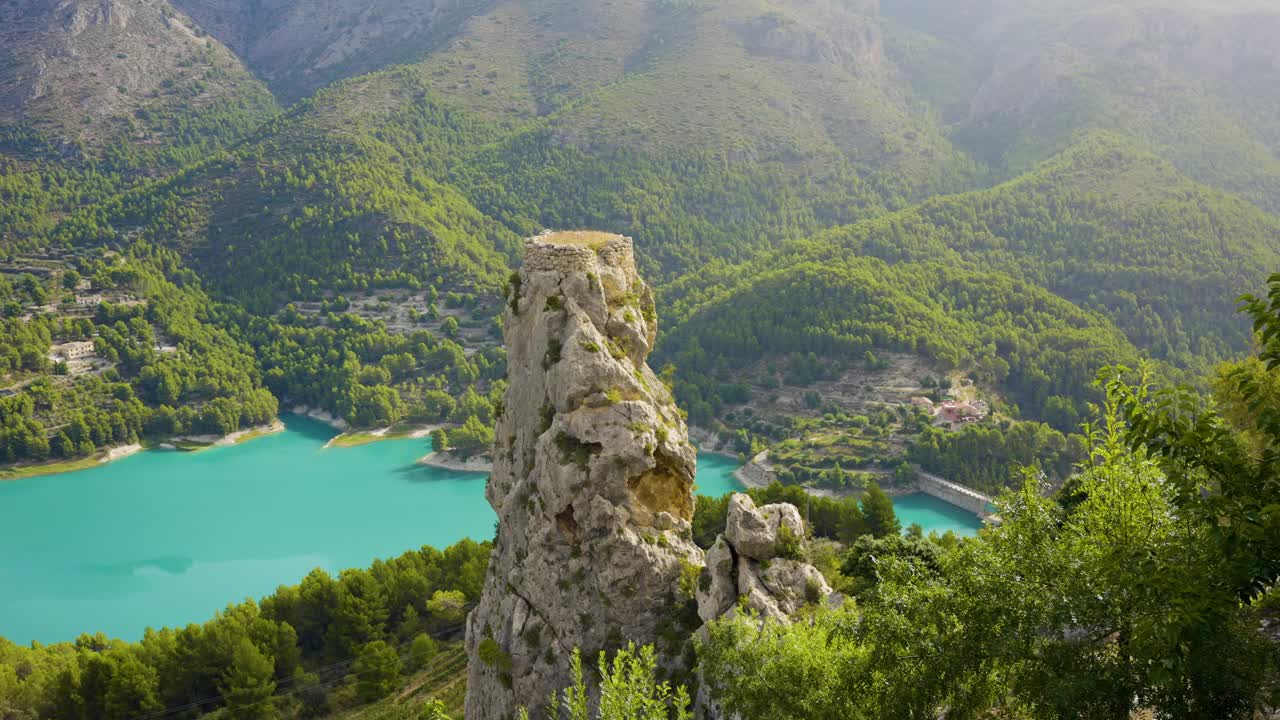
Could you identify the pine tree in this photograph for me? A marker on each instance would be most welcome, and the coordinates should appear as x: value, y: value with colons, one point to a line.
x: 877, y: 508
x: 249, y: 684
x: 377, y: 671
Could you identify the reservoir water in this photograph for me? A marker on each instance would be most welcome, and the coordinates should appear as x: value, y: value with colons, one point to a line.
x: 715, y: 475
x: 168, y: 538
x: 934, y: 515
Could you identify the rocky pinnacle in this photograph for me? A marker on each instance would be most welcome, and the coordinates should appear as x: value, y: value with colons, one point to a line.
x: 592, y: 481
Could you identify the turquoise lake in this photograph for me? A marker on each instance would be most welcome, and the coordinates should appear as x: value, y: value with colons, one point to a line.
x: 715, y: 475
x: 168, y: 538
x: 933, y: 514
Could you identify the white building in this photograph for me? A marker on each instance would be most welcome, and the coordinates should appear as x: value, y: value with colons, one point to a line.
x: 74, y: 350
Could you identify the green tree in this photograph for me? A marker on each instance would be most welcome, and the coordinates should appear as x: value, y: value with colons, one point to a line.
x: 807, y: 671
x: 447, y: 607
x: 439, y: 440
x: 421, y: 651
x: 629, y: 690
x: 249, y: 683
x: 434, y: 709
x: 133, y: 689
x: 877, y: 509
x: 473, y: 437
x: 377, y: 671
x: 359, y: 614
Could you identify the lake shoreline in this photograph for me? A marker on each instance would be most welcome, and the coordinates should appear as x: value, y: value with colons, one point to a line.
x: 448, y: 461
x: 113, y: 453
x: 169, y: 538
x: 196, y: 443
x: 319, y: 415
x: 755, y: 473
x: 411, y: 431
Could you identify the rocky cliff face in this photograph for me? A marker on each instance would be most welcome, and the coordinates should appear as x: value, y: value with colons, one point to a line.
x: 94, y: 70
x: 593, y: 485
x: 298, y: 46
x: 592, y: 480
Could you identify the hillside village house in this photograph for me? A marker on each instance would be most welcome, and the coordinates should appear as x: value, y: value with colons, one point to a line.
x: 952, y: 411
x: 73, y: 351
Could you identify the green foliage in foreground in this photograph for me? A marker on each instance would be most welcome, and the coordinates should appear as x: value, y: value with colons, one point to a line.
x: 628, y: 691
x: 1129, y: 591
x: 302, y: 652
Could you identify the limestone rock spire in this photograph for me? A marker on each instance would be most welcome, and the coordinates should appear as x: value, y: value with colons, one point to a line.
x: 592, y: 479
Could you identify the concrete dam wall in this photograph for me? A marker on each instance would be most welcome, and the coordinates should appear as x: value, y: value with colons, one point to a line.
x: 958, y: 495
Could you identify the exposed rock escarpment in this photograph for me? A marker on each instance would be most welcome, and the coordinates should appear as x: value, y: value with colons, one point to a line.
x: 90, y: 70
x: 759, y: 532
x: 298, y: 46
x: 592, y: 479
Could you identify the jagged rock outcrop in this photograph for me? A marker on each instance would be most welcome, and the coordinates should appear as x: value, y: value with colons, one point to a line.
x: 592, y: 479
x: 752, y: 562
x: 758, y: 532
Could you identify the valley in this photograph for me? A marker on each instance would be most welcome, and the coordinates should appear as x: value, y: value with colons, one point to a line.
x: 1023, y: 247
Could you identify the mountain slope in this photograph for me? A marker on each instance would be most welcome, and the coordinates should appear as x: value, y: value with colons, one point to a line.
x: 1111, y: 228
x: 1100, y: 253
x: 299, y: 46
x: 1197, y: 81
x: 339, y: 195
x: 804, y: 83
x: 98, y: 95
x: 92, y: 73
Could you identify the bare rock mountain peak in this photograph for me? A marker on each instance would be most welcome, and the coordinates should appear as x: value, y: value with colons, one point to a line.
x: 592, y: 480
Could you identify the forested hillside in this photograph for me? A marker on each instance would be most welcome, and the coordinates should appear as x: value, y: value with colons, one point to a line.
x: 340, y: 194
x: 299, y: 46
x: 98, y: 96
x: 1098, y: 256
x: 1103, y: 225
x: 809, y: 182
x: 304, y: 642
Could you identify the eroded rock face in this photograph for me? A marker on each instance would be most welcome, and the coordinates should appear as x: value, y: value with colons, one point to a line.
x: 592, y: 478
x: 300, y: 45
x: 747, y: 565
x: 756, y: 532
x: 84, y: 69
x: 717, y: 590
x: 792, y: 583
